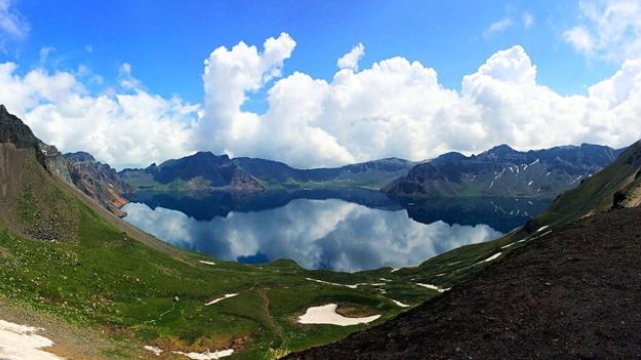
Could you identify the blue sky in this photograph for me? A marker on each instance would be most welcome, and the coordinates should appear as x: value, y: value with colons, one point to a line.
x: 321, y: 82
x: 167, y: 41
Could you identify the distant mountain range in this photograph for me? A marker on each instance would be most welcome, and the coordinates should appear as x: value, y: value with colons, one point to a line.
x: 205, y: 171
x: 503, y: 171
x: 499, y: 172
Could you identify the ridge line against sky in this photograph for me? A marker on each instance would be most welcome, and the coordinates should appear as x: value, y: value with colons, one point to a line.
x: 391, y: 107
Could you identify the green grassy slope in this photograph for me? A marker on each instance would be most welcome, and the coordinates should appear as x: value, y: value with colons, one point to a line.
x: 595, y: 194
x: 64, y: 255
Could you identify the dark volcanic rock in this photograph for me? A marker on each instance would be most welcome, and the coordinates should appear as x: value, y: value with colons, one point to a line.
x: 573, y: 294
x: 14, y: 131
x: 79, y: 157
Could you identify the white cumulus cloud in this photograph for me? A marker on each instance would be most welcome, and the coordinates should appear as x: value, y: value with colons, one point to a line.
x: 395, y: 107
x: 610, y: 29
x: 124, y: 128
x: 398, y: 108
x: 351, y: 59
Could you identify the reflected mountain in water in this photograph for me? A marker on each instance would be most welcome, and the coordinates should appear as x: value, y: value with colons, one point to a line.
x: 343, y: 230
x: 502, y: 214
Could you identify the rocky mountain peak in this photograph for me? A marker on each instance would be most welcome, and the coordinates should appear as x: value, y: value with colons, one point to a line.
x: 14, y: 131
x: 80, y: 156
x: 501, y: 152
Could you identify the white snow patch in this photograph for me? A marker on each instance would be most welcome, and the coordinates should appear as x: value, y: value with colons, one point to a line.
x: 327, y: 314
x: 217, y: 300
x: 156, y: 350
x: 19, y: 342
x: 493, y: 257
x: 207, y: 262
x: 492, y: 184
x: 542, y: 228
x: 400, y: 304
x: 207, y: 355
x: 433, y: 287
x: 507, y: 246
x: 336, y: 284
x: 530, y: 183
x: 540, y: 236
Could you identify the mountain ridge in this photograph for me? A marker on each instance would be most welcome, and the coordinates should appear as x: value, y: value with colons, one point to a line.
x: 503, y: 171
x: 207, y: 171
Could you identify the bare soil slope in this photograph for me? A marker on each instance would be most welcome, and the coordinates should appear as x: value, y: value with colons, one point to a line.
x: 573, y: 294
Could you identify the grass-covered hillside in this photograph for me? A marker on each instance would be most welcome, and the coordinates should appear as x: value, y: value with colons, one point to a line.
x: 65, y: 256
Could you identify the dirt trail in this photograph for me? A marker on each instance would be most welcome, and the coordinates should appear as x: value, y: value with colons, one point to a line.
x: 270, y: 320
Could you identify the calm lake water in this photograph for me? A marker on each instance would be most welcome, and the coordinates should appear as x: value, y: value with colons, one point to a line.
x: 343, y: 230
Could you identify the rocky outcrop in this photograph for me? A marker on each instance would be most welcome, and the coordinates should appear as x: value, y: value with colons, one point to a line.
x: 99, y: 181
x: 14, y: 131
x: 55, y: 162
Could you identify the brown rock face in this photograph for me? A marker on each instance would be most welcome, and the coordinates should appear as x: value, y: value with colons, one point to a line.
x: 99, y: 181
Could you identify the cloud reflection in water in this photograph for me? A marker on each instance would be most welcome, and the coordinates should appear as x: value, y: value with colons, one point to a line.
x: 331, y: 234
